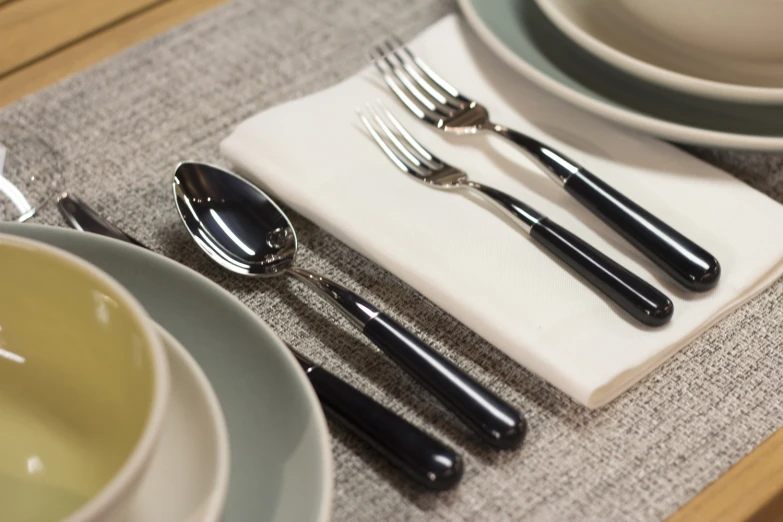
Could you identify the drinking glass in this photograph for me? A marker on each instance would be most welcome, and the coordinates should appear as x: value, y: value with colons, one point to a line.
x: 30, y: 173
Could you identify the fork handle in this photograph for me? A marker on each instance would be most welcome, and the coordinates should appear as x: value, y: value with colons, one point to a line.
x: 634, y: 295
x: 685, y: 261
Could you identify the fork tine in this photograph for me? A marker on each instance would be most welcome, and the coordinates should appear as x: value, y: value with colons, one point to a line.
x: 423, y: 97
x: 442, y: 98
x: 387, y: 147
x: 443, y: 84
x: 419, y: 110
x: 412, y: 158
x: 426, y: 156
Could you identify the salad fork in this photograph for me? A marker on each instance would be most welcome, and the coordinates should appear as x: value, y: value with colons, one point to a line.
x: 436, y: 102
x: 637, y: 297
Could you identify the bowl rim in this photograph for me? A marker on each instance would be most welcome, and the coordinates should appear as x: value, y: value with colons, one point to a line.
x: 656, y: 74
x: 211, y: 508
x: 120, y: 486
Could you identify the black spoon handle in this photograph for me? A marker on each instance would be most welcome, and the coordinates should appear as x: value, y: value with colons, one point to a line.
x: 633, y: 294
x: 688, y: 263
x: 493, y: 419
x: 497, y: 422
x: 685, y: 261
x: 423, y: 458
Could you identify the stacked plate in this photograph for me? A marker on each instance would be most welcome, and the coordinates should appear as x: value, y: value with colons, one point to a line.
x: 230, y: 403
x: 665, y: 67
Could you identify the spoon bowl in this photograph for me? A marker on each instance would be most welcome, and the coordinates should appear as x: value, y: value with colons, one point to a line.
x: 242, y: 230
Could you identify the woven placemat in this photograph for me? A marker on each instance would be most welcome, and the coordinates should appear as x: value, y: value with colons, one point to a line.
x: 123, y: 125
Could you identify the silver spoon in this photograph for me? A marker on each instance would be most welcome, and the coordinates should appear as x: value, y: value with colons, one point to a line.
x: 243, y: 230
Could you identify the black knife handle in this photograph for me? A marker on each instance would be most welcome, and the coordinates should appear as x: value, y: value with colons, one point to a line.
x: 496, y: 421
x: 423, y: 458
x: 685, y: 261
x: 631, y: 293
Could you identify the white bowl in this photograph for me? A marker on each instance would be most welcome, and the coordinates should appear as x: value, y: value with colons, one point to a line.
x: 188, y: 477
x: 748, y: 30
x: 701, y: 47
x: 85, y: 385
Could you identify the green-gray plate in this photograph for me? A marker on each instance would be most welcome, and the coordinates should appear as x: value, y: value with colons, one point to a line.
x: 281, y: 467
x: 518, y: 32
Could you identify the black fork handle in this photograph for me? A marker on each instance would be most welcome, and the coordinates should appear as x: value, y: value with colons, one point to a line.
x: 685, y: 261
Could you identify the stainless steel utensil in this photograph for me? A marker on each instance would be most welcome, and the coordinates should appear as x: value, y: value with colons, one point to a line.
x: 423, y: 458
x: 434, y: 101
x: 633, y: 294
x: 243, y: 230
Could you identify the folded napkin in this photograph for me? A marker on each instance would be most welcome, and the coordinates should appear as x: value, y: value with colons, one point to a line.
x: 314, y: 155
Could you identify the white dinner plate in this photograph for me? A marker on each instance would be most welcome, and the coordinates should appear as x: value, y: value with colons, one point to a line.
x: 187, y: 480
x: 520, y: 34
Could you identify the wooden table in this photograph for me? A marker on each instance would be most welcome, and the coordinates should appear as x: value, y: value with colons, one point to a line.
x: 44, y: 41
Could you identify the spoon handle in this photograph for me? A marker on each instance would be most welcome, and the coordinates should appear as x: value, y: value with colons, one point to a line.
x: 423, y: 458
x: 493, y: 419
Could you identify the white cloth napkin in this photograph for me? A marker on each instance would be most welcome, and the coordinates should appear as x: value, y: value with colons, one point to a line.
x: 314, y: 155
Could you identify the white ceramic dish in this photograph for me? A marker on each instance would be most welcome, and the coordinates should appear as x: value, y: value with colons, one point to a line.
x: 746, y: 30
x: 616, y: 32
x: 187, y: 480
x: 281, y: 460
x: 521, y: 35
x: 82, y: 422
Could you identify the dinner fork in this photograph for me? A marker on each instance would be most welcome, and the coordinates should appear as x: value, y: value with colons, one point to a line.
x: 434, y: 101
x: 637, y: 297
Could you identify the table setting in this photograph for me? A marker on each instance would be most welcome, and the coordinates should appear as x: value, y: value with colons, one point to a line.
x: 534, y: 272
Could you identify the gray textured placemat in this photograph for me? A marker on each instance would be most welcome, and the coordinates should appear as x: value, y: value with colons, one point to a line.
x: 123, y: 126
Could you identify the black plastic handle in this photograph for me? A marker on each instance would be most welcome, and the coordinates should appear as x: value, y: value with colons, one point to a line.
x: 685, y: 261
x: 496, y: 421
x: 634, y: 295
x: 423, y: 458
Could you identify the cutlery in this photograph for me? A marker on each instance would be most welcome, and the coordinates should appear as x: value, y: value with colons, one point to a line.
x: 434, y: 101
x: 423, y: 458
x: 243, y: 230
x: 631, y: 293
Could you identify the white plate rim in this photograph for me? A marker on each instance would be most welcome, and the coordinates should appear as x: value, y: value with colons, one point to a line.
x: 327, y: 484
x: 656, y: 74
x: 640, y: 122
x: 212, y: 508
